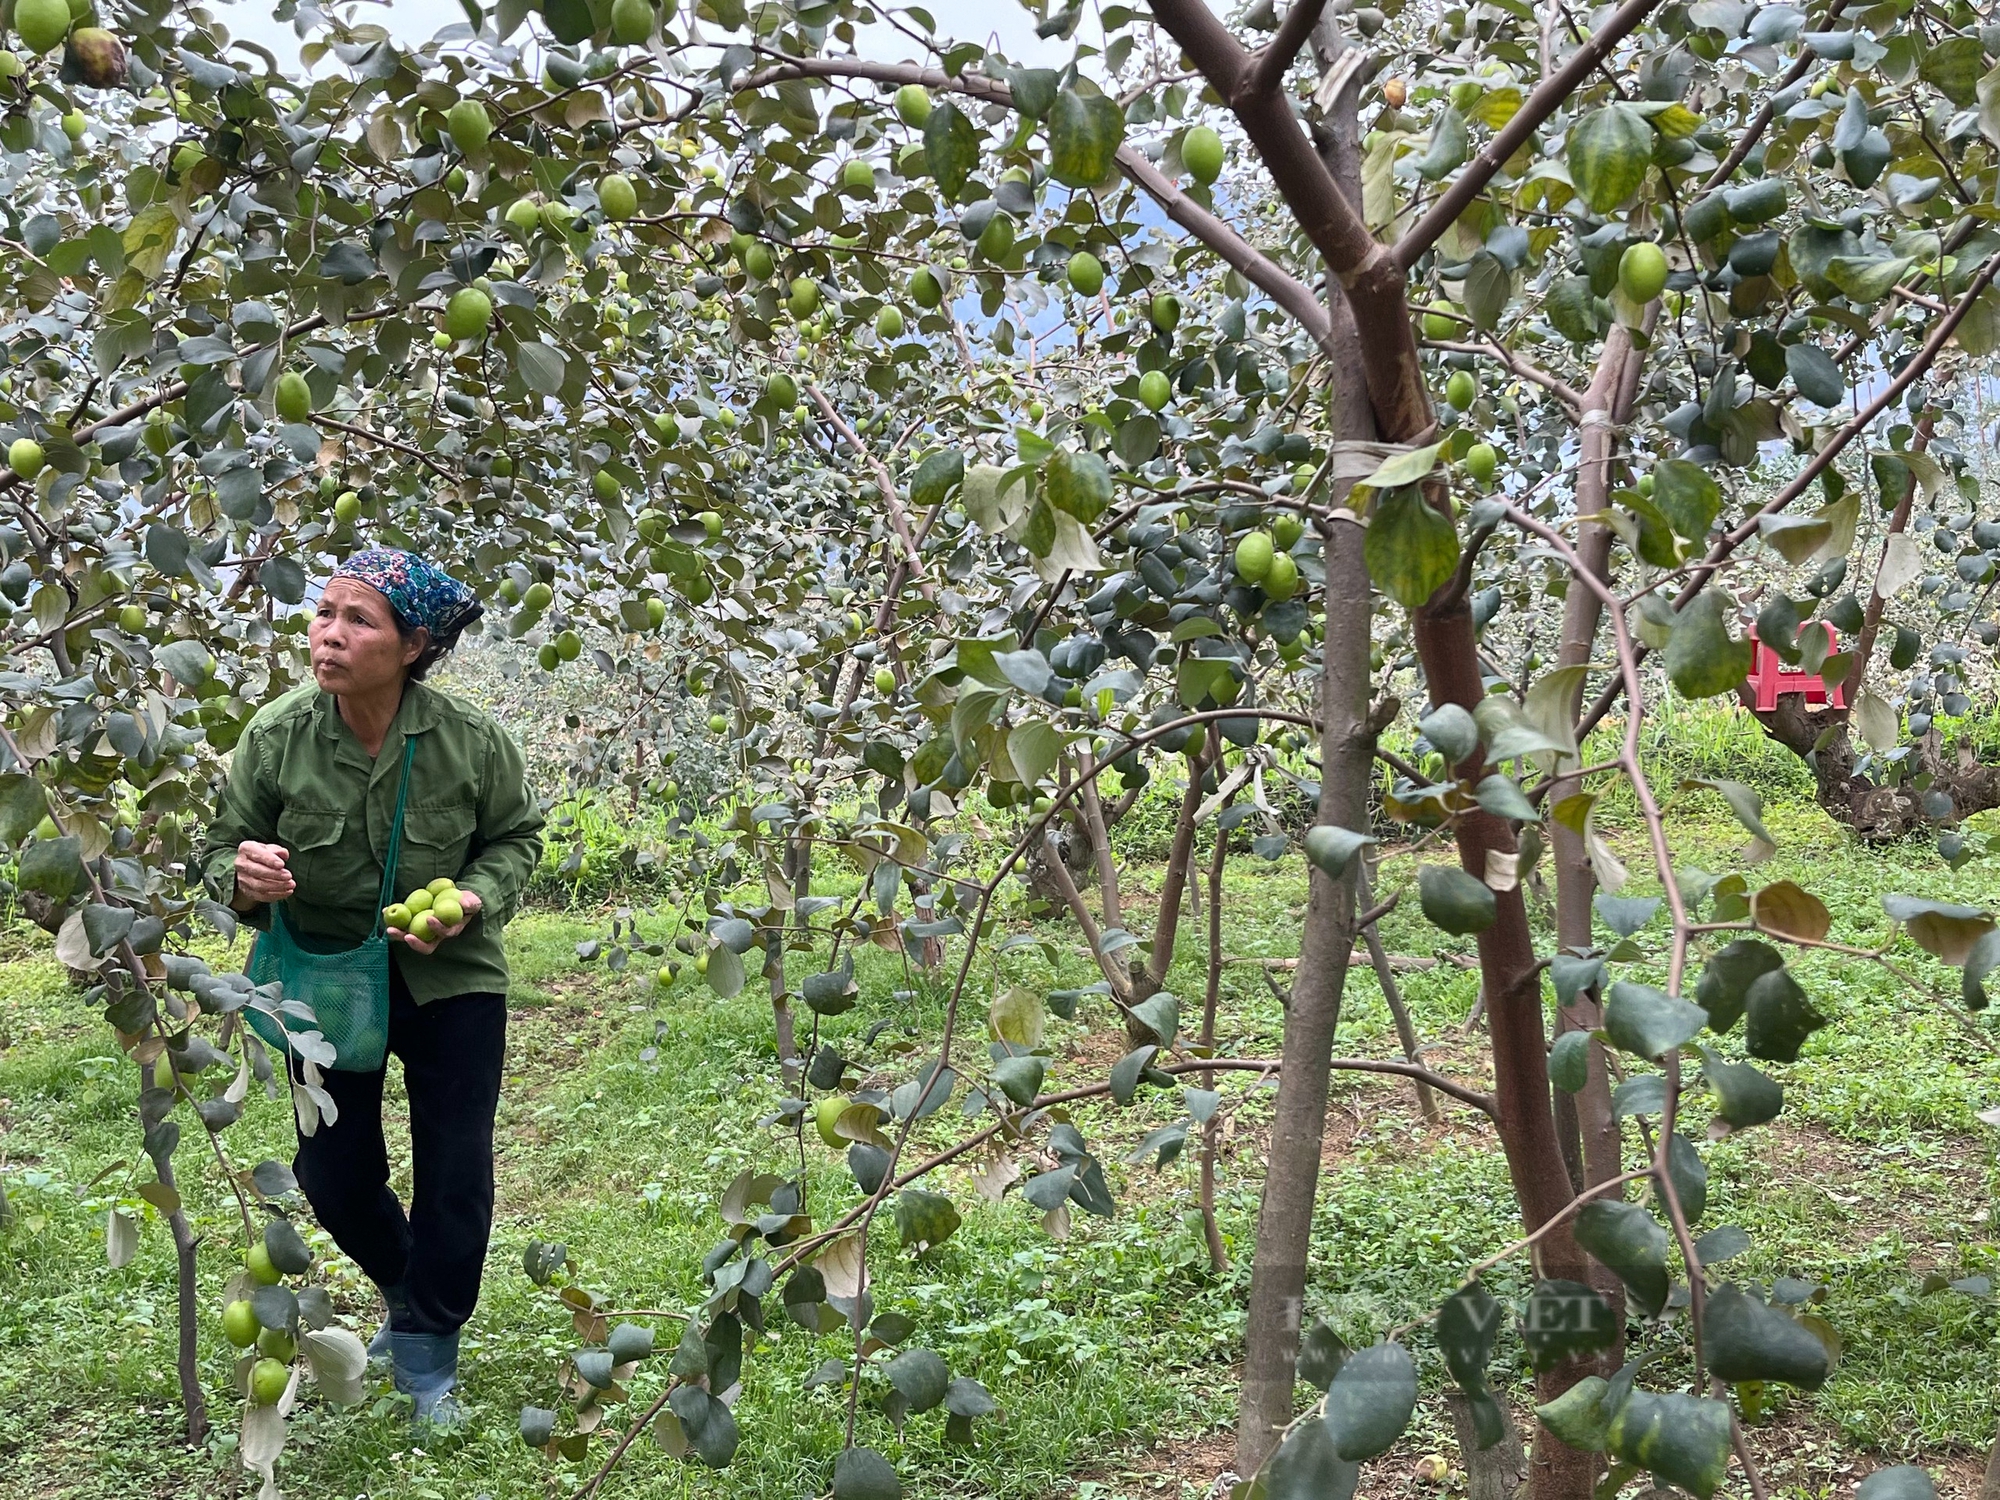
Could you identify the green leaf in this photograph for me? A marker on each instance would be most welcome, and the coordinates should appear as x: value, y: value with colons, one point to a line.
x: 1571, y: 310
x: 54, y: 867
x: 1330, y: 848
x: 1815, y: 374
x: 1746, y: 1340
x: 1981, y: 961
x: 629, y: 1341
x: 1687, y: 495
x: 1866, y: 279
x: 925, y: 1220
x: 1160, y: 1015
x: 287, y: 1250
x: 23, y: 804
x: 1795, y: 538
x: 1609, y: 152
x: 921, y: 1376
x: 1078, y: 483
x: 1033, y: 746
x: 1448, y: 148
x: 1018, y: 1016
x: 1321, y: 1354
x: 1578, y: 1416
x: 1020, y: 1078
x: 1939, y: 928
x: 1903, y: 1482
x: 1702, y: 660
x: 1749, y: 810
x: 1779, y: 1017
x: 725, y: 972
x: 1406, y: 468
x: 542, y: 367
x: 936, y: 477
x: 1454, y: 901
x: 1953, y: 68
x: 1649, y: 1022
x: 1681, y: 1440
x: 1085, y: 132
x: 1631, y: 1244
x: 1565, y: 1318
x: 1489, y: 287
x: 1411, y: 549
x: 1452, y: 731
x: 1370, y: 1401
x: 538, y: 1425
x: 951, y: 147
x: 1307, y: 1467
x: 709, y: 1425
x: 1467, y: 1324
x: 1569, y: 1061
x: 1745, y: 1096
x: 1625, y: 915
x: 1503, y: 797
x: 1726, y: 979
x: 1689, y: 1174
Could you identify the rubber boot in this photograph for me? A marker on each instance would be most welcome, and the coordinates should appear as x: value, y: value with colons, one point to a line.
x: 378, y: 1347
x: 426, y: 1370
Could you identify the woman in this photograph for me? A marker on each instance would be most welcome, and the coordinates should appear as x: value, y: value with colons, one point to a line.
x: 305, y: 819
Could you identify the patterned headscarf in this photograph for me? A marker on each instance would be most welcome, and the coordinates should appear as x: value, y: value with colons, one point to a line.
x: 421, y: 593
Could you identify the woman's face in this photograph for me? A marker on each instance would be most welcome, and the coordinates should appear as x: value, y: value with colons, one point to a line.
x: 356, y: 648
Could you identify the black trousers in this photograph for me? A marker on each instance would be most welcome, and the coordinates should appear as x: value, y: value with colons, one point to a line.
x: 452, y: 1050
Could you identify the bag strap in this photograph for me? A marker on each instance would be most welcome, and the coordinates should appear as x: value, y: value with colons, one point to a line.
x: 395, y: 835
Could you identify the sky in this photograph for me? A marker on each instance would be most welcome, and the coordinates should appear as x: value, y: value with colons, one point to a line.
x: 416, y: 21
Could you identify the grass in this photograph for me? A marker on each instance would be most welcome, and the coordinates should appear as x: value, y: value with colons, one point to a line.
x: 626, y: 1113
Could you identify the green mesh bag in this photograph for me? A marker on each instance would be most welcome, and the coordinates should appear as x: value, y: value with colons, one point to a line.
x: 347, y: 988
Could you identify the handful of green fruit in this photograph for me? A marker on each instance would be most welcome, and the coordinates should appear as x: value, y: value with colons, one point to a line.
x: 428, y: 912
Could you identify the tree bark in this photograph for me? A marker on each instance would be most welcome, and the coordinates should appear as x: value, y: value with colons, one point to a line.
x: 1211, y: 1132
x: 1291, y: 1178
x: 187, y: 1289
x: 1385, y: 976
x: 1588, y: 1131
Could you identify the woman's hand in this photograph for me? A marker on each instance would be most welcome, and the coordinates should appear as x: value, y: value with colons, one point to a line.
x: 261, y: 875
x: 469, y: 903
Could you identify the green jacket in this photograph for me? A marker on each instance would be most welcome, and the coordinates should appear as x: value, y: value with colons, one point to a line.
x: 301, y: 779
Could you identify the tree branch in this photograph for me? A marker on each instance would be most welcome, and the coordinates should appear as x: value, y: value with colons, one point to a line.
x: 1518, y: 365
x: 1545, y: 101
x: 1888, y: 396
x: 1288, y: 291
x: 1267, y: 68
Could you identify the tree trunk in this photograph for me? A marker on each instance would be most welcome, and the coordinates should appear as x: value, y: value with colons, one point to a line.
x: 1494, y: 1473
x: 1587, y: 1129
x: 194, y: 1406
x: 1990, y: 1489
x: 1291, y: 1179
x: 1211, y: 1132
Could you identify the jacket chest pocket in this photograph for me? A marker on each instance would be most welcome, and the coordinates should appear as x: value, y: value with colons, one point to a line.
x: 435, y: 843
x: 324, y: 869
